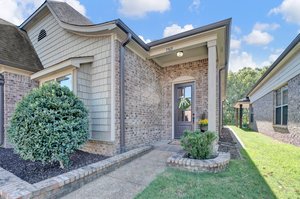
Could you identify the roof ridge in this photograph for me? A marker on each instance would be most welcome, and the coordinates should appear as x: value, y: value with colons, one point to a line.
x: 5, y: 22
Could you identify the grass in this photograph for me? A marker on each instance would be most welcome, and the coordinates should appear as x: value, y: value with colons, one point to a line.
x: 269, y: 169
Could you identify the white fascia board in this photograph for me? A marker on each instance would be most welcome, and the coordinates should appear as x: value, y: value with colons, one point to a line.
x: 182, y: 43
x: 70, y: 63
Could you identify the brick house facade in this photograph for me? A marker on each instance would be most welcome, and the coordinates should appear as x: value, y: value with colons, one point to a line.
x: 129, y: 86
x: 275, y: 99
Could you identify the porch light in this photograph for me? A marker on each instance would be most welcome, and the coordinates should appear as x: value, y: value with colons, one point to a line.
x: 179, y: 54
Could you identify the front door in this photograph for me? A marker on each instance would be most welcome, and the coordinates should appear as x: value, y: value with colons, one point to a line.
x: 183, y: 116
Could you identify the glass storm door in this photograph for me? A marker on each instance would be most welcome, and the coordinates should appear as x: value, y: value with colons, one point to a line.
x: 183, y: 117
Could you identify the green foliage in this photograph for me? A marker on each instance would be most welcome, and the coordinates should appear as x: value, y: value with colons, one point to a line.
x: 238, y: 85
x: 49, y: 124
x: 184, y: 103
x: 198, y: 145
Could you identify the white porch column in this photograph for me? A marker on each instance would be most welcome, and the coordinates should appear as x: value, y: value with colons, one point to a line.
x: 212, y: 85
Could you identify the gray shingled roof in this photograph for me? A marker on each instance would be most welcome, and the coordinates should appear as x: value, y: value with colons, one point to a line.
x: 68, y: 14
x: 16, y: 49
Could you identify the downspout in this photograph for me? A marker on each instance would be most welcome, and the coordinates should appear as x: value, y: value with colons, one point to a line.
x: 122, y: 93
x: 220, y: 101
x: 1, y: 109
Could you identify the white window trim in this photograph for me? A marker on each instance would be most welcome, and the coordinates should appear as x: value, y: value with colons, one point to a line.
x: 284, y: 88
x: 61, y: 74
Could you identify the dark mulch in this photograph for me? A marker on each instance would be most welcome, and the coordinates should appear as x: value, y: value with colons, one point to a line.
x: 227, y: 144
x: 33, y: 172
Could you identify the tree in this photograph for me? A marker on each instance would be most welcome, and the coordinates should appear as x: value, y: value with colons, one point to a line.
x: 238, y: 85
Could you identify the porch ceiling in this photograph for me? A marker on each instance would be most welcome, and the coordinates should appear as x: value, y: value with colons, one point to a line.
x: 189, y: 54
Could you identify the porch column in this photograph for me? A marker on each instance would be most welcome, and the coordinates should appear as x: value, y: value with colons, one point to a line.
x: 241, y: 116
x: 236, y: 117
x: 212, y: 85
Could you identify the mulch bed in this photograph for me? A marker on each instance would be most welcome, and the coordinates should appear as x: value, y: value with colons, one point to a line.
x: 33, y: 172
x: 227, y: 144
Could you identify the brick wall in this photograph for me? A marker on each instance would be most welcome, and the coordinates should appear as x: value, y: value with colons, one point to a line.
x: 143, y: 101
x: 294, y: 110
x: 198, y: 70
x: 15, y: 87
x: 263, y: 110
x: 148, y: 97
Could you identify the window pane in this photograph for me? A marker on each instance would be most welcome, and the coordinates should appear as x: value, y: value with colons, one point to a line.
x: 185, y: 116
x: 180, y: 92
x: 285, y: 115
x: 278, y: 97
x: 65, y: 81
x: 188, y: 92
x: 285, y: 97
x: 278, y: 116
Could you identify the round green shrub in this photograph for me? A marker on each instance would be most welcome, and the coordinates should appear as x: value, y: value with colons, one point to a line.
x: 198, y: 145
x: 49, y: 124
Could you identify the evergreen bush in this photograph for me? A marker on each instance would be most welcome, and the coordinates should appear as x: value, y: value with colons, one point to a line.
x: 49, y: 124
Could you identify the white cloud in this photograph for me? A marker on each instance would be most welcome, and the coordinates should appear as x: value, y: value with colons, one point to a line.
x: 266, y: 26
x: 235, y: 44
x: 289, y: 10
x: 257, y: 37
x: 272, y: 57
x: 195, y: 5
x: 139, y: 8
x: 259, y: 34
x: 144, y: 40
x: 237, y: 29
x: 175, y: 29
x: 240, y: 60
x: 16, y: 11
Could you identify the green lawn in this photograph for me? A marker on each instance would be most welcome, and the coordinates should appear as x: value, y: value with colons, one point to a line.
x: 269, y: 169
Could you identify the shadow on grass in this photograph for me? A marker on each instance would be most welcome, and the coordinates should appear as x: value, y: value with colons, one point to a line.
x: 255, y: 171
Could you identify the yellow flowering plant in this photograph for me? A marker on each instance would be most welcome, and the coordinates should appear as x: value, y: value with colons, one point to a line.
x: 203, y: 122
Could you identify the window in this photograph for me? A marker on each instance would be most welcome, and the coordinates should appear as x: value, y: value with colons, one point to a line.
x: 42, y: 35
x: 65, y: 80
x: 281, y: 106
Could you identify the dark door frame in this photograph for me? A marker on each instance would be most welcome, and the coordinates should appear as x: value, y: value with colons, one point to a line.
x: 175, y: 108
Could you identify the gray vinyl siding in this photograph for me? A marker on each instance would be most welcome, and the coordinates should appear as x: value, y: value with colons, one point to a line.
x: 93, y: 80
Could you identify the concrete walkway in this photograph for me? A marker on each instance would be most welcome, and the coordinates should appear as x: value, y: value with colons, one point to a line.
x: 127, y: 181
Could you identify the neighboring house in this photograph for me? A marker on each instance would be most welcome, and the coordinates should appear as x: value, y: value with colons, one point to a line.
x: 131, y: 88
x: 275, y: 98
x: 18, y: 61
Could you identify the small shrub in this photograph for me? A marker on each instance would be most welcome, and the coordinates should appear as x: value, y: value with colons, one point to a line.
x: 49, y: 124
x: 198, y: 145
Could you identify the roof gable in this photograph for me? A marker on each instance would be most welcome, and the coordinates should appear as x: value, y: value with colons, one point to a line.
x: 62, y: 11
x: 16, y: 49
x: 67, y: 13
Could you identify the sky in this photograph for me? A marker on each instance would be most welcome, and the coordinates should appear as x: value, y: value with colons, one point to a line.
x: 261, y: 29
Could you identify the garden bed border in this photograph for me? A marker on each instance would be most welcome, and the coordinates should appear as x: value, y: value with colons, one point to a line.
x: 209, y: 165
x: 12, y: 187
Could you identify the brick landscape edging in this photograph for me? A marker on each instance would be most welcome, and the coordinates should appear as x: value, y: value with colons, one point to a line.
x: 12, y: 187
x: 209, y: 165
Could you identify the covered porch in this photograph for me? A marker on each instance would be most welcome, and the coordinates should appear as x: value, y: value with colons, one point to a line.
x: 194, y: 66
x: 239, y: 107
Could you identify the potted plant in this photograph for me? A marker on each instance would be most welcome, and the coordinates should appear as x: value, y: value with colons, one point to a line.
x: 184, y: 103
x: 203, y: 123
